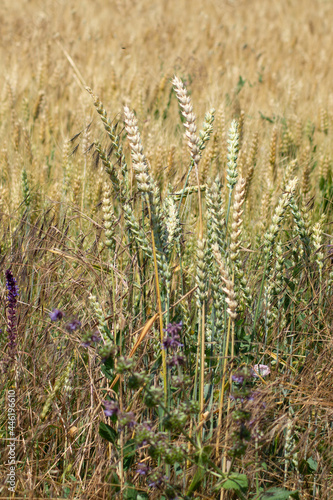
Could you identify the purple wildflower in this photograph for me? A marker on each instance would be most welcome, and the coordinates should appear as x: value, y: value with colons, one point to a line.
x: 95, y: 337
x: 106, y: 351
x: 176, y: 360
x: 86, y: 343
x: 56, y: 315
x: 144, y: 434
x: 110, y: 408
x: 174, y: 328
x: 73, y: 325
x: 142, y: 469
x: 154, y: 483
x: 127, y: 419
x: 171, y: 340
x: 238, y: 378
x: 255, y: 429
x: 156, y: 479
x: 88, y: 339
x: 256, y: 397
x: 12, y: 294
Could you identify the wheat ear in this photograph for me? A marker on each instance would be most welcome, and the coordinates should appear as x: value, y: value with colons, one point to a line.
x: 232, y: 308
x: 138, y: 158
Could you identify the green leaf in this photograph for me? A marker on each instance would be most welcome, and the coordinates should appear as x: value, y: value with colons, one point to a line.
x: 290, y: 283
x: 197, y: 478
x: 130, y: 492
x: 270, y: 120
x: 114, y: 481
x: 240, y: 84
x: 202, y: 458
x: 66, y: 492
x: 205, y: 454
x: 236, y: 482
x: 312, y: 463
x: 108, y: 433
x: 129, y: 451
x: 106, y: 372
x: 109, y: 363
x: 278, y: 494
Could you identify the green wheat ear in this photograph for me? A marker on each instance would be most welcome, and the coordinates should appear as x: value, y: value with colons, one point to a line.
x: 25, y: 188
x: 61, y: 382
x: 280, y: 210
x: 101, y: 323
x: 233, y: 144
x: 108, y: 217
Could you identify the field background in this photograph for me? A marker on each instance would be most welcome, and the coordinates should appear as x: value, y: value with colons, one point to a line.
x: 267, y: 65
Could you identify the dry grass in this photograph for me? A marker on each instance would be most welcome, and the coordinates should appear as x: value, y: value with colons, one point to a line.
x: 76, y: 221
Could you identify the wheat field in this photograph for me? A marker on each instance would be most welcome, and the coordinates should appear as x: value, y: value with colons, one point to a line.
x: 166, y: 249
